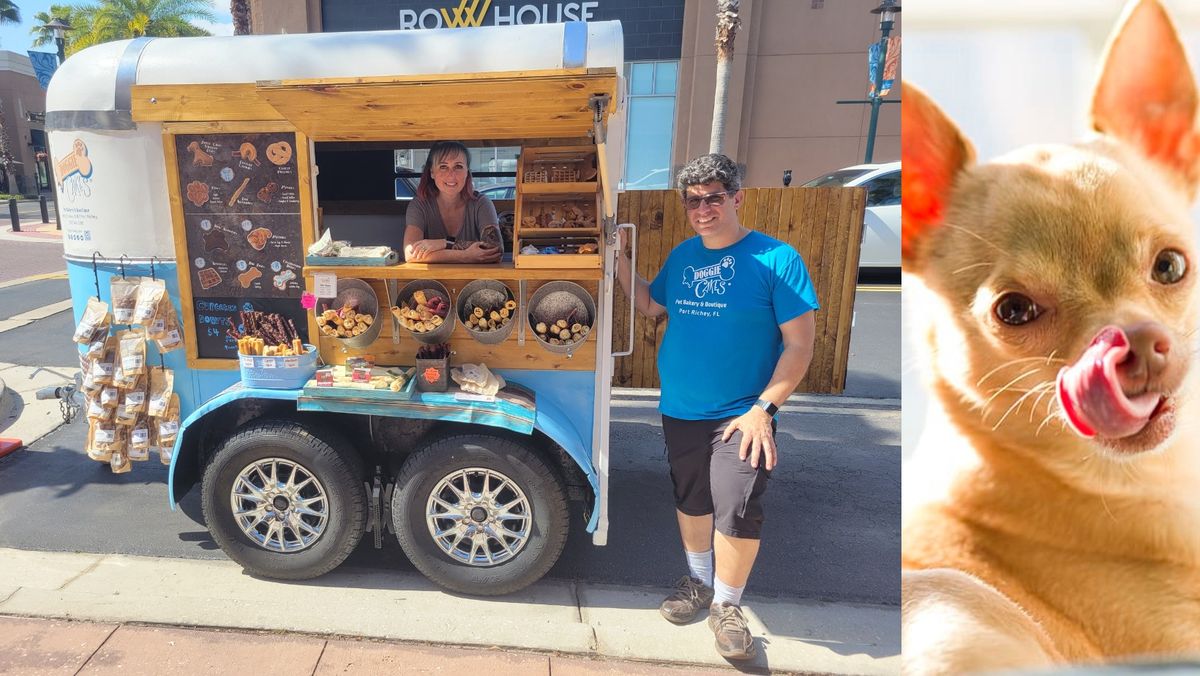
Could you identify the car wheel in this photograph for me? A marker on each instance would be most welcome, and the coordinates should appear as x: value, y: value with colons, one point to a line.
x: 480, y: 514
x: 285, y: 500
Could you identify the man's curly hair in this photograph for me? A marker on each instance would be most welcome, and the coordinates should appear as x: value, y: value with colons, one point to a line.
x: 709, y: 168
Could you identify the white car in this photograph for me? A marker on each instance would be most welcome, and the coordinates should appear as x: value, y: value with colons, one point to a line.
x: 881, y: 227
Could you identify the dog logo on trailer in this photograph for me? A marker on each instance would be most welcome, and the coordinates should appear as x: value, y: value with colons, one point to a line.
x: 74, y: 171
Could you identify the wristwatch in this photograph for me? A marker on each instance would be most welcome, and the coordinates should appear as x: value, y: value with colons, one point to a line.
x: 767, y: 406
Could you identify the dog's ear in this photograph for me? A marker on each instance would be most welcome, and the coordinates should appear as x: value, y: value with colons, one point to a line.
x: 933, y: 152
x: 1146, y: 95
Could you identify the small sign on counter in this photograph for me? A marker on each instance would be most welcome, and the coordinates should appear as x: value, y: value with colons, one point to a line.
x: 325, y: 285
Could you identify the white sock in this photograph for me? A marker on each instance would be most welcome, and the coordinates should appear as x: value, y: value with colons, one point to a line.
x: 701, y: 565
x: 726, y: 594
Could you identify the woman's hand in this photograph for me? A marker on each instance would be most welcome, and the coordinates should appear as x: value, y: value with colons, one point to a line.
x: 420, y: 250
x: 479, y: 252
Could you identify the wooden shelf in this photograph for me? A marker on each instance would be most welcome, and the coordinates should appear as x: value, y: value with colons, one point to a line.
x: 555, y: 232
x: 579, y: 187
x: 500, y: 271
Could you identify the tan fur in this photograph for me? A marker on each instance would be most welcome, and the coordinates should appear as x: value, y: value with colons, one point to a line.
x: 1023, y: 543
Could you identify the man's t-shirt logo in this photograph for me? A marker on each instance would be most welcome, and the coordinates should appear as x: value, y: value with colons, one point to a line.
x: 709, y: 279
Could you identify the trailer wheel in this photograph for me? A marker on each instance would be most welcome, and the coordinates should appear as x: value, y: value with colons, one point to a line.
x: 480, y: 514
x: 285, y: 500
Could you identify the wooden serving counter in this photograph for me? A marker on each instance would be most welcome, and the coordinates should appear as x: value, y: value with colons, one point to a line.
x: 502, y: 271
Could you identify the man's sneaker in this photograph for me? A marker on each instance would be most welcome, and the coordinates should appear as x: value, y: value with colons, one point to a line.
x: 690, y: 597
x: 733, y: 635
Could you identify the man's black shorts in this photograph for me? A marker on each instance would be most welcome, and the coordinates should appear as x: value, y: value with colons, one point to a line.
x: 710, y: 478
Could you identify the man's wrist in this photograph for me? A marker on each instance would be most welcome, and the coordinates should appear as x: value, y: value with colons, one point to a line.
x: 767, y: 407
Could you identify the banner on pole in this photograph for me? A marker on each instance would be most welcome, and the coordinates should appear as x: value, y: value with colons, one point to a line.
x: 890, y: 66
x: 44, y: 65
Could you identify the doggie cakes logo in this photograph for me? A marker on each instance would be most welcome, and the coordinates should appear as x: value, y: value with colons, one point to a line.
x: 712, y: 279
x: 74, y: 172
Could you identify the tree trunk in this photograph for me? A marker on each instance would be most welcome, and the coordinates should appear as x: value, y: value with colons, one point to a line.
x: 727, y: 25
x: 240, y: 9
x: 7, y: 163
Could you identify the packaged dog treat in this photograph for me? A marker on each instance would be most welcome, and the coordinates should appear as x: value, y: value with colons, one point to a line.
x: 133, y: 351
x: 110, y: 396
x: 168, y: 424
x: 119, y: 461
x: 95, y: 320
x: 122, y: 380
x: 123, y: 292
x: 96, y: 347
x: 88, y: 384
x: 165, y: 453
x: 139, y: 439
x: 162, y: 386
x: 150, y: 294
x: 96, y: 411
x: 104, y: 438
x: 133, y: 399
x: 103, y: 366
x: 169, y: 336
x: 92, y: 451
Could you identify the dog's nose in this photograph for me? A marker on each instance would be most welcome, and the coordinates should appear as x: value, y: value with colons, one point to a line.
x: 1149, y: 349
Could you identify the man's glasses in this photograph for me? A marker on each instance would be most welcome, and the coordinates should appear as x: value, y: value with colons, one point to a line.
x: 712, y: 199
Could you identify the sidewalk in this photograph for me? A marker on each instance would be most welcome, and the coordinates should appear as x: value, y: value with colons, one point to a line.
x: 32, y: 230
x: 555, y: 625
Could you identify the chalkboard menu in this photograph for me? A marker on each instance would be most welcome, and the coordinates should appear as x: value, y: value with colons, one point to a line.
x: 242, y: 225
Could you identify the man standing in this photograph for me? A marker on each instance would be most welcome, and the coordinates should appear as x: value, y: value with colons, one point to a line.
x: 738, y: 341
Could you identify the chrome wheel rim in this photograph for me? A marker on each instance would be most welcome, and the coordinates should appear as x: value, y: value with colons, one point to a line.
x: 478, y: 516
x: 279, y: 505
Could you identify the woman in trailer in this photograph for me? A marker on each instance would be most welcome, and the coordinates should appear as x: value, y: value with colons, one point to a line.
x: 448, y: 222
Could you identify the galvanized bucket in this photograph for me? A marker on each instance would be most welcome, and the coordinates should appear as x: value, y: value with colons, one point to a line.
x: 366, y: 301
x: 431, y: 287
x: 487, y: 294
x: 561, y: 300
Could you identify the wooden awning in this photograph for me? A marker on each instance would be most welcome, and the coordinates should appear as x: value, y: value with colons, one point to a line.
x: 471, y: 106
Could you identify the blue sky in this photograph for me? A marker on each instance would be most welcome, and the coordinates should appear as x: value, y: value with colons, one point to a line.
x: 17, y: 38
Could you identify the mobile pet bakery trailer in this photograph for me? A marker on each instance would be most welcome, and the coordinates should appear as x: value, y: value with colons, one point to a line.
x: 195, y: 161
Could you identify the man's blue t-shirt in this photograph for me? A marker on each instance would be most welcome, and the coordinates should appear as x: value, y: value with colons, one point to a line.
x: 724, y: 308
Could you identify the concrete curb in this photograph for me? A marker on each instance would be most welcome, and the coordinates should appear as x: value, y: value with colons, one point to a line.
x: 558, y: 616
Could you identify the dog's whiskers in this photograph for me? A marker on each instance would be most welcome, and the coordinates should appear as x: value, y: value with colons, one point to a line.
x: 973, y: 265
x: 1014, y: 362
x: 1016, y: 406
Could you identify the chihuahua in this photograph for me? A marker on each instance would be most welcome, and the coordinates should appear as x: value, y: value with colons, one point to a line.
x: 1052, y: 508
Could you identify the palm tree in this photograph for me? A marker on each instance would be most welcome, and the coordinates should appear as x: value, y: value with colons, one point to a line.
x: 122, y: 19
x: 72, y: 16
x: 240, y: 9
x: 727, y: 25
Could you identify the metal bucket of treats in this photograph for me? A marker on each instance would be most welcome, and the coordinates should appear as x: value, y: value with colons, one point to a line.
x: 488, y: 309
x: 424, y: 308
x: 353, y: 315
x: 561, y: 315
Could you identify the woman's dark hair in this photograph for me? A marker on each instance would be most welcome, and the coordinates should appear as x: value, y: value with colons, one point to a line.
x: 426, y: 188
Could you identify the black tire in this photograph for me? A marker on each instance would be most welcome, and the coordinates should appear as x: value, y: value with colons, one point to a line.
x: 541, y: 485
x: 324, y: 456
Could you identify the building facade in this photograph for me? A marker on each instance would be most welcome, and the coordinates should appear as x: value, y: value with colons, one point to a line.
x: 24, y: 103
x: 793, y: 60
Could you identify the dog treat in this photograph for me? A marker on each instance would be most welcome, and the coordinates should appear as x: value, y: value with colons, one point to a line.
x: 133, y: 351
x: 279, y: 153
x: 95, y: 320
x: 162, y: 384
x: 197, y: 193
x: 165, y: 453
x: 209, y: 278
x: 199, y: 157
x: 110, y: 397
x: 150, y: 293
x: 171, y: 337
x: 123, y: 417
x: 96, y: 410
x: 267, y: 192
x: 247, y: 152
x: 99, y: 450
x: 122, y: 380
x: 258, y: 238
x: 168, y: 423
x: 119, y: 461
x: 247, y: 278
x: 139, y: 439
x: 238, y: 193
x: 281, y: 280
x: 215, y: 241
x: 104, y: 365
x: 123, y: 292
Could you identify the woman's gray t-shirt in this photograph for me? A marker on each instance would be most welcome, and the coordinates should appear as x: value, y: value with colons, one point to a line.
x: 479, y: 212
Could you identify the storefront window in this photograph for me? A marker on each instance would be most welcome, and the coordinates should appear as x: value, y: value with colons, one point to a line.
x: 489, y: 167
x: 650, y: 124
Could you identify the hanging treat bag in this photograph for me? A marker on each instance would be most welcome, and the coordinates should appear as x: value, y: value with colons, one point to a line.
x: 88, y: 384
x: 133, y: 351
x: 95, y: 320
x: 110, y: 396
x: 119, y: 461
x: 165, y: 331
x: 95, y: 349
x: 165, y: 453
x: 162, y: 386
x: 124, y: 292
x: 104, y: 366
x: 168, y: 430
x: 102, y: 439
x: 150, y: 293
x: 122, y: 380
x: 133, y: 399
x: 139, y: 439
x: 97, y: 412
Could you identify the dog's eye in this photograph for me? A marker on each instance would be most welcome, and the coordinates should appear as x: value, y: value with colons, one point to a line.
x: 1016, y: 309
x: 1169, y: 267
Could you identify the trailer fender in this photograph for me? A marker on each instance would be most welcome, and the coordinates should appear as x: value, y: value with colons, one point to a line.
x: 554, y: 423
x: 186, y: 446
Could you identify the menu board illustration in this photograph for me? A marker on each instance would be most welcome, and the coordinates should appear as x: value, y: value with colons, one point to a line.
x: 241, y: 213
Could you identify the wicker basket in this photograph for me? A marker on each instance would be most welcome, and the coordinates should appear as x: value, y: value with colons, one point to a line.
x: 535, y: 175
x: 566, y: 173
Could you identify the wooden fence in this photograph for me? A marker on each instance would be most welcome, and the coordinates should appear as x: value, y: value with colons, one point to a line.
x: 823, y: 224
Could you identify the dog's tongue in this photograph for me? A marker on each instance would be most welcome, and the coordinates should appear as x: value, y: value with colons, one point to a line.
x: 1090, y: 392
